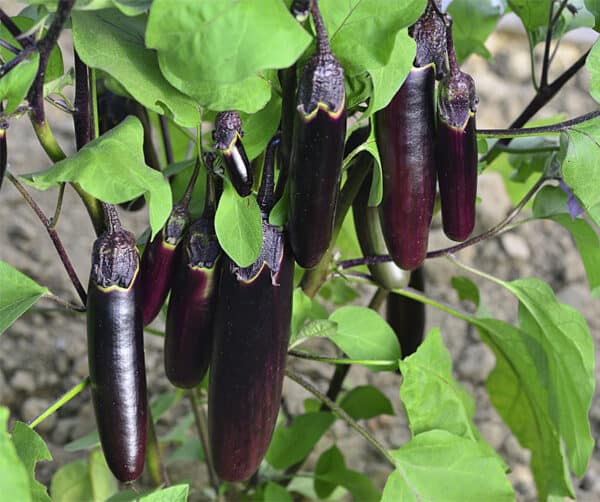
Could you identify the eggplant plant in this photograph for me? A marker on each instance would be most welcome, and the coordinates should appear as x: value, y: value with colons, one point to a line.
x: 289, y: 166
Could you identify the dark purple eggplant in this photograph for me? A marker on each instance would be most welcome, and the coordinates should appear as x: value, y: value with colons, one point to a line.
x: 251, y: 335
x: 189, y: 330
x: 116, y: 350
x: 368, y: 231
x: 457, y: 149
x: 317, y: 151
x: 407, y: 316
x: 160, y: 254
x: 228, y: 140
x: 405, y: 132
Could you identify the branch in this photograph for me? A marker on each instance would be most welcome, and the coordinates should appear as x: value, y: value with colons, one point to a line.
x: 201, y: 425
x: 61, y: 401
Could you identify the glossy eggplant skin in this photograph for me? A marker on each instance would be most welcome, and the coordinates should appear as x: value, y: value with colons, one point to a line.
x: 252, y: 329
x: 189, y: 329
x: 405, y: 132
x: 407, y: 316
x: 370, y: 237
x: 158, y: 262
x: 116, y: 353
x: 228, y: 140
x: 457, y: 175
x: 315, y: 174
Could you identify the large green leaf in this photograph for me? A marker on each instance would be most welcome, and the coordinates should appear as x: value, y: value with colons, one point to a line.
x: 114, y: 43
x: 102, y: 481
x: 71, y: 483
x: 112, y: 168
x: 365, y: 402
x: 473, y: 22
x: 31, y: 450
x: 439, y: 467
x: 260, y: 127
x: 551, y: 203
x: 238, y: 225
x: 362, y: 334
x: 224, y: 40
x: 15, y: 84
x: 17, y: 294
x: 14, y: 479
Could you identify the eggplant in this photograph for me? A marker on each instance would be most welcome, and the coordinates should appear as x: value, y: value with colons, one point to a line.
x: 407, y: 316
x: 228, y: 140
x: 317, y: 151
x: 370, y: 236
x: 116, y: 350
x: 3, y: 150
x: 457, y: 150
x: 405, y: 134
x: 160, y: 254
x: 251, y: 336
x: 189, y: 329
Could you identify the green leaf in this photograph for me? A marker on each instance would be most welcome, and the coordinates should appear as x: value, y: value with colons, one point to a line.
x: 301, y: 308
x: 363, y: 334
x: 276, y: 493
x: 438, y: 466
x: 31, y: 450
x: 551, y: 203
x: 317, y: 327
x: 14, y: 480
x: 594, y: 7
x: 467, y: 290
x: 112, y: 169
x: 473, y: 22
x: 286, y: 450
x: 16, y: 83
x: 132, y: 7
x: 190, y: 451
x: 394, y: 489
x: 583, y: 144
x: 331, y: 471
x: 533, y: 13
x: 17, y: 294
x: 260, y: 127
x: 102, y: 481
x: 430, y: 395
x: 338, y: 291
x: 238, y: 224
x: 376, y: 192
x: 388, y: 79
x: 365, y: 402
x: 114, y: 43
x: 163, y: 403
x: 90, y: 440
x: 71, y: 483
x: 177, y: 493
x: 224, y: 41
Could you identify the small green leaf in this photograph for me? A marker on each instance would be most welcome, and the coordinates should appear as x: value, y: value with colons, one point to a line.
x: 17, y: 294
x: 285, y: 450
x: 114, y: 43
x: 238, y: 224
x: 224, y: 41
x: 317, y: 327
x: 338, y: 291
x: 331, y: 471
x: 71, y: 483
x: 14, y: 480
x: 112, y: 168
x: 90, y: 440
x: 439, y: 467
x: 16, y: 83
x: 467, y: 290
x: 102, y: 481
x: 365, y: 402
x: 190, y: 451
x: 534, y: 15
x: 276, y: 493
x: 177, y: 493
x: 163, y: 403
x: 376, y: 192
x: 31, y: 450
x: 363, y: 334
x: 301, y: 308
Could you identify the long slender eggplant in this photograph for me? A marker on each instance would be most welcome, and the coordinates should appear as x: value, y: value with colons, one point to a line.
x: 405, y: 132
x: 160, y: 254
x: 317, y: 151
x: 457, y: 149
x: 251, y: 335
x: 116, y: 350
x: 228, y: 140
x: 368, y: 231
x: 407, y: 316
x: 190, y: 316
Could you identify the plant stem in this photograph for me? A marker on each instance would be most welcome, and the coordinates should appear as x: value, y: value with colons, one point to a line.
x: 61, y: 193
x: 154, y: 461
x: 82, y: 115
x: 341, y: 413
x: 64, y: 399
x: 492, y: 232
x: 9, y: 65
x: 322, y: 37
x: 166, y: 137
x: 341, y: 361
x: 201, y: 425
x: 53, y: 236
x: 65, y: 304
x: 13, y: 29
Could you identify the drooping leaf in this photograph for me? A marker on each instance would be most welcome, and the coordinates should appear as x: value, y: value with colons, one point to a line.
x: 31, y: 450
x: 17, y: 294
x: 238, y: 225
x: 114, y: 43
x: 112, y: 169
